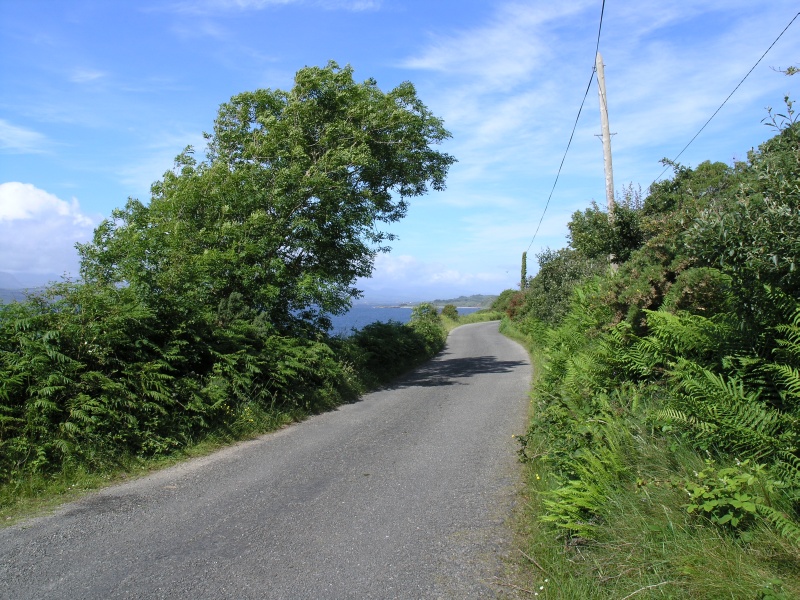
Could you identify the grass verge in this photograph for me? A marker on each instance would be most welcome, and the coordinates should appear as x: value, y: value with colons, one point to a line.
x: 643, y: 543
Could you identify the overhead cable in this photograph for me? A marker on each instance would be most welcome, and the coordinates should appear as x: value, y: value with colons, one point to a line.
x: 726, y: 99
x: 574, y: 127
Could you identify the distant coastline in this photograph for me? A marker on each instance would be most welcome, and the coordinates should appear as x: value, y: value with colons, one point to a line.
x: 19, y: 294
x: 474, y: 301
x: 392, y: 305
x: 363, y: 314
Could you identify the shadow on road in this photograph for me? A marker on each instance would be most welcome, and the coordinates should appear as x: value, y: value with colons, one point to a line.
x: 444, y: 371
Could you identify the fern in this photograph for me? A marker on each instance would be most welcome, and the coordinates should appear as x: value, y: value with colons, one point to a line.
x: 596, y: 472
x: 787, y: 372
x: 787, y: 527
x: 691, y: 336
x: 573, y: 507
x: 788, y: 468
x: 742, y: 423
x: 690, y: 421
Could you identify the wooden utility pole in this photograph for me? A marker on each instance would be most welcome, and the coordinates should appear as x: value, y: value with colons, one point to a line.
x: 601, y: 90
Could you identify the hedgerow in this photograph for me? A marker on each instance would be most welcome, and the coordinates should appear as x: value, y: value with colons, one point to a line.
x: 670, y: 384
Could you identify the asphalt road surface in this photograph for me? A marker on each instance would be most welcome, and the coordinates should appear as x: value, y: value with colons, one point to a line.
x: 404, y: 494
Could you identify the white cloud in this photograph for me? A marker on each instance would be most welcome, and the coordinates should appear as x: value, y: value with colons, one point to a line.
x: 504, y: 52
x: 351, y: 5
x: 643, y: 18
x: 509, y: 88
x: 207, y: 6
x: 405, y: 277
x: 245, y: 4
x: 202, y: 27
x: 86, y: 75
x: 24, y: 201
x: 38, y: 230
x: 19, y: 139
x: 501, y: 87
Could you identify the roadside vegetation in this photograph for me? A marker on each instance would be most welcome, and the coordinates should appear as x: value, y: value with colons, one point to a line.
x: 451, y: 319
x: 663, y: 454
x: 201, y: 316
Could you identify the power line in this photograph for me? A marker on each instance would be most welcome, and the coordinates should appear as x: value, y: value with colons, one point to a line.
x: 574, y: 127
x: 728, y: 98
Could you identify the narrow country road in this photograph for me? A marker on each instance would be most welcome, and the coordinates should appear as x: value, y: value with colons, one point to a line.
x: 401, y: 495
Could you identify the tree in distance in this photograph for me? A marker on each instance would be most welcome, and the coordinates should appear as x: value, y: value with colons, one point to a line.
x: 450, y: 311
x: 286, y: 206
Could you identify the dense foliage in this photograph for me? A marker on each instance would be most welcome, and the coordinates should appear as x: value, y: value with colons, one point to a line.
x: 668, y: 406
x: 206, y: 309
x: 285, y: 208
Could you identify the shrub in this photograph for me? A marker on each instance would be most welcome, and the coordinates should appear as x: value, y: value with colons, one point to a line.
x: 502, y: 302
x: 700, y: 290
x: 426, y: 322
x: 450, y: 312
x: 549, y: 293
x: 381, y: 351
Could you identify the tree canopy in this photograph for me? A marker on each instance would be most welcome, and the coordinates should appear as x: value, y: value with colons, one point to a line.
x: 286, y: 205
x: 205, y: 310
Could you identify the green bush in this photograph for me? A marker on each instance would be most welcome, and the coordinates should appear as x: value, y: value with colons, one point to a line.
x: 449, y: 311
x: 700, y: 290
x: 426, y: 322
x: 549, y: 293
x: 502, y: 302
x: 89, y: 376
x: 381, y: 351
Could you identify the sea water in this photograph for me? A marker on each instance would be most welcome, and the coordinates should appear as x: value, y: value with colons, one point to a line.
x: 364, y: 314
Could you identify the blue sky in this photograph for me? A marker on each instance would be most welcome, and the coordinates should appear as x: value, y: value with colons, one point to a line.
x: 98, y: 96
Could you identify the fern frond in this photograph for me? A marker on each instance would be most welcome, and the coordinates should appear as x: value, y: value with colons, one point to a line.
x: 782, y: 522
x: 788, y: 467
x: 744, y: 423
x: 684, y: 334
x: 677, y: 416
x: 69, y: 427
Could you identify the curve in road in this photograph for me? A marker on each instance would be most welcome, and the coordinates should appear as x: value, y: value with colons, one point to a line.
x: 401, y: 495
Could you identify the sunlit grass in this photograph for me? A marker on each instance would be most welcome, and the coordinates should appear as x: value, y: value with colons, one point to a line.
x: 651, y: 548
x: 480, y: 316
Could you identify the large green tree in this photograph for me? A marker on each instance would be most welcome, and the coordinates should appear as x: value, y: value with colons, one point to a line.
x: 286, y: 206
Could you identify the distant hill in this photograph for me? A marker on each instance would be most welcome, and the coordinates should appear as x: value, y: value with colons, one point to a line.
x: 14, y: 287
x: 17, y: 294
x: 11, y: 295
x: 476, y: 300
